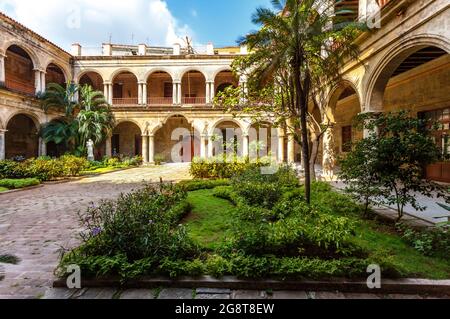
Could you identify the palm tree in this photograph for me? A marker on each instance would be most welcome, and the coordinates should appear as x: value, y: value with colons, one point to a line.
x: 95, y: 118
x: 87, y: 117
x: 306, y: 42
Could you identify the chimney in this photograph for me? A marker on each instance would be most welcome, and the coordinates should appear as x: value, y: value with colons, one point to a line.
x: 210, y: 49
x: 107, y: 49
x: 142, y: 49
x: 176, y: 49
x: 76, y: 49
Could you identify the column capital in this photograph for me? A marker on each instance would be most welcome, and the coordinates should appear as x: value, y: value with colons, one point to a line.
x: 107, y: 83
x: 176, y: 82
x: 142, y: 82
x: 39, y: 70
x: 2, y: 131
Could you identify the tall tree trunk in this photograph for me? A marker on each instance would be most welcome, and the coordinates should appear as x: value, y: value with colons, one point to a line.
x: 301, y: 104
x: 313, y: 157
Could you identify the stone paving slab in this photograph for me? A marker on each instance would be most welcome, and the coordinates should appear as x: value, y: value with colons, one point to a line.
x: 95, y: 293
x: 248, y: 294
x: 36, y: 224
x: 138, y: 294
x: 213, y: 297
x: 291, y: 295
x: 176, y: 294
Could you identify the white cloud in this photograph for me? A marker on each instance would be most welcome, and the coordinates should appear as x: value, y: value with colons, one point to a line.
x: 194, y: 13
x: 92, y: 22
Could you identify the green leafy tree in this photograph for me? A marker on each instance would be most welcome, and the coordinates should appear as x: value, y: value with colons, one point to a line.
x: 387, y: 167
x: 86, y: 117
x: 298, y: 50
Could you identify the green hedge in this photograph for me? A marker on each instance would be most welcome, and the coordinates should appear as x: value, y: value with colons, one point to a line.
x: 43, y: 168
x: 19, y: 183
x: 218, y: 168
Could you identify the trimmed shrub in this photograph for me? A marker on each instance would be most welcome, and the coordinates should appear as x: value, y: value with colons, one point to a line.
x: 218, y: 168
x: 19, y: 183
x: 195, y: 185
x: 73, y: 165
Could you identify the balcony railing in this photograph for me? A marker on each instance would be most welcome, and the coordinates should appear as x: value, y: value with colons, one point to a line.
x: 20, y: 86
x: 193, y: 100
x: 125, y: 101
x: 159, y: 100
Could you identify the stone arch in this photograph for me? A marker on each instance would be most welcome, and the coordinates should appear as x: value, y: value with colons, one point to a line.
x: 119, y: 71
x: 120, y: 121
x: 216, y: 72
x: 83, y: 72
x: 193, y: 86
x: 53, y: 78
x: 125, y: 87
x: 222, y: 120
x: 65, y: 70
x: 176, y: 139
x: 157, y: 81
x: 186, y: 70
x: 37, y: 122
x: 88, y: 74
x: 34, y: 57
x: 22, y: 136
x: 150, y: 72
x: 335, y: 94
x: 378, y: 79
x: 126, y: 138
x: 20, y: 70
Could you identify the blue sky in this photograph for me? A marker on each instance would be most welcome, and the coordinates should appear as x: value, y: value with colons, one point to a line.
x: 222, y: 22
x: 157, y: 22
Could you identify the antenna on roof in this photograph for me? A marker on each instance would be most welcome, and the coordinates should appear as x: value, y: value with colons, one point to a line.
x: 110, y: 38
x: 132, y: 38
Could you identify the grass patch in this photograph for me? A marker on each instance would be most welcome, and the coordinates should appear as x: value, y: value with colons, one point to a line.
x: 210, y: 218
x: 9, y: 259
x: 102, y: 170
x: 18, y: 183
x: 377, y: 238
x: 3, y: 189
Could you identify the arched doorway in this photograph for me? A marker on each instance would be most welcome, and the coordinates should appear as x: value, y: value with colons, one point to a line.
x: 263, y: 140
x: 227, y: 140
x: 126, y: 140
x: 416, y: 80
x: 92, y: 79
x: 19, y: 73
x: 345, y: 106
x: 54, y: 74
x: 21, y: 138
x: 193, y: 88
x: 224, y: 80
x: 160, y: 89
x: 125, y: 89
x: 177, y: 141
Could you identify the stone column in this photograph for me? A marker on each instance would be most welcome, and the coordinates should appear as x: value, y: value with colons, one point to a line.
x: 42, y: 147
x: 37, y: 81
x: 175, y: 93
x: 140, y: 93
x: 106, y: 91
x: 2, y: 144
x: 179, y: 96
x: 151, y: 149
x: 2, y: 70
x: 371, y: 116
x: 329, y: 159
x: 43, y: 82
x: 210, y: 147
x: 203, y: 147
x: 145, y: 148
x: 245, y: 145
x: 108, y: 143
x: 144, y: 94
x: 110, y: 93
x: 208, y: 92
x: 281, y: 148
x: 291, y: 148
x: 212, y: 93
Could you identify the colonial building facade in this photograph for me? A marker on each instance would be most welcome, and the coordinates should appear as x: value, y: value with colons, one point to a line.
x: 404, y: 64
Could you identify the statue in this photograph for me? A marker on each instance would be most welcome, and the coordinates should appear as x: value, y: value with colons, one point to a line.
x: 90, y: 150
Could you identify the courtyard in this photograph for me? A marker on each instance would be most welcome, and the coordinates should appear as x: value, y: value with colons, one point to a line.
x: 36, y: 224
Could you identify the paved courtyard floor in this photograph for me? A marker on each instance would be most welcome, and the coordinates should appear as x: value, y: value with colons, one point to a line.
x: 35, y: 224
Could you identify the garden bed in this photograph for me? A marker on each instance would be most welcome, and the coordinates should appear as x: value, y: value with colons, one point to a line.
x: 252, y: 227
